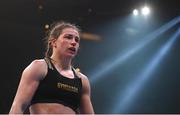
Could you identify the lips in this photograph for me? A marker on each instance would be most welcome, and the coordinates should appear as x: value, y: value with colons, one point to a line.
x: 72, y: 49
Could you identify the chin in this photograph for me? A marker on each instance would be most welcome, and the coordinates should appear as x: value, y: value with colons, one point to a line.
x: 70, y: 55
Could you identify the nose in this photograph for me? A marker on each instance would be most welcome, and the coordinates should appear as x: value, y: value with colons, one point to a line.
x: 73, y: 42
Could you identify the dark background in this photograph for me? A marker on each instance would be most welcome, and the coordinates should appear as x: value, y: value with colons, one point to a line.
x: 22, y: 32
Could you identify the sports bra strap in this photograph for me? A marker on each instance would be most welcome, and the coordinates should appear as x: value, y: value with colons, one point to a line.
x: 48, y: 61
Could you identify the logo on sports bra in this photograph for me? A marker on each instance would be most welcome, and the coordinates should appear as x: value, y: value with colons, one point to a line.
x: 67, y: 87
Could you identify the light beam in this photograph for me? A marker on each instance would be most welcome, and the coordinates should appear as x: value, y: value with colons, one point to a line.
x: 133, y: 89
x: 108, y: 65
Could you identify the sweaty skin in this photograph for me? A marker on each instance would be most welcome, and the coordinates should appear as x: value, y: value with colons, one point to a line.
x: 64, y: 49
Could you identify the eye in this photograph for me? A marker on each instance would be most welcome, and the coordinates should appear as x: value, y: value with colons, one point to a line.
x: 77, y: 39
x: 68, y: 36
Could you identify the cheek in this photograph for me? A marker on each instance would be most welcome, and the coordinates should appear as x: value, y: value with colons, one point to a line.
x: 61, y: 43
x: 77, y: 46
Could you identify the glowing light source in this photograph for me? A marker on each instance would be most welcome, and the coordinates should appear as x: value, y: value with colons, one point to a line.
x: 46, y: 26
x: 103, y: 69
x: 135, y: 12
x: 145, y: 10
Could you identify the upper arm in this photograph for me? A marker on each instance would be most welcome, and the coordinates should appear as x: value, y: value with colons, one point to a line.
x: 86, y: 105
x: 28, y: 84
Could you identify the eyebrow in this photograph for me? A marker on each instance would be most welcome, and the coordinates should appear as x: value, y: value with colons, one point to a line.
x: 67, y: 34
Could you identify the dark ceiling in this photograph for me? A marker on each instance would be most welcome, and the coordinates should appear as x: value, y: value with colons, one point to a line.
x: 38, y: 11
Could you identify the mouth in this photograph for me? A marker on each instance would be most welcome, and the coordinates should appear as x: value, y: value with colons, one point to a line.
x: 72, y: 49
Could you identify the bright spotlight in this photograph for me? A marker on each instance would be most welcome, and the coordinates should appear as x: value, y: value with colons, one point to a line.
x: 135, y: 12
x: 145, y: 10
x: 103, y: 69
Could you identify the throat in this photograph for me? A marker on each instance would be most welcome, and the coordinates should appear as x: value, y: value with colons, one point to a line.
x: 67, y: 73
x: 62, y: 64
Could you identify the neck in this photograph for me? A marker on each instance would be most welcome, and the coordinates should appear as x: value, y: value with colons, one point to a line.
x: 63, y: 63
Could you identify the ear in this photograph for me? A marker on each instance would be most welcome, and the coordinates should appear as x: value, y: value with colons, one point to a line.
x: 53, y: 42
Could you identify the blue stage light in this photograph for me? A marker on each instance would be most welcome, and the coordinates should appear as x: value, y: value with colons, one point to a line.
x: 133, y: 89
x: 108, y: 65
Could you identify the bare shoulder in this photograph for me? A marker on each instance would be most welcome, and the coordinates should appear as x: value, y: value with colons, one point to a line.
x: 84, y: 78
x: 38, y: 63
x: 81, y: 75
x: 38, y: 67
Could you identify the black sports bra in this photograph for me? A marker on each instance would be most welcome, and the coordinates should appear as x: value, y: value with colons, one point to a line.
x: 56, y: 88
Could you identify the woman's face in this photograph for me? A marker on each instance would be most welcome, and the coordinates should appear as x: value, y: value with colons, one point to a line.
x: 67, y: 43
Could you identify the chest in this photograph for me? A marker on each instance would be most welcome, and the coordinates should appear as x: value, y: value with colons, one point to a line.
x: 59, y: 83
